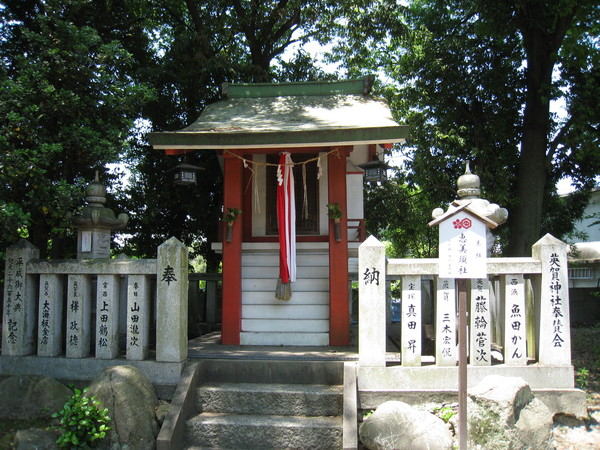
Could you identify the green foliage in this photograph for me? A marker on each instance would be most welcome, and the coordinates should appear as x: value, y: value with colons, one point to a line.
x: 334, y: 211
x: 82, y: 421
x: 66, y: 107
x: 445, y: 413
x: 582, y: 376
x: 485, y: 428
x: 232, y: 214
x: 471, y: 81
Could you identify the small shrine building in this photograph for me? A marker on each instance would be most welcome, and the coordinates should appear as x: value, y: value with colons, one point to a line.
x: 327, y: 129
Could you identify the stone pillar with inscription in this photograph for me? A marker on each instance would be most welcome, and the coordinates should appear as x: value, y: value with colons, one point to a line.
x: 79, y: 316
x: 515, y: 333
x: 554, y: 344
x: 50, y: 315
x: 411, y: 320
x: 172, y: 302
x: 19, y: 312
x: 445, y: 328
x: 107, y: 317
x: 138, y: 317
x: 372, y: 305
x: 481, y: 323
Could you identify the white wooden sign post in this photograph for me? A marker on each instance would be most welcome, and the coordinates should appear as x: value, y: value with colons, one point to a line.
x: 462, y: 255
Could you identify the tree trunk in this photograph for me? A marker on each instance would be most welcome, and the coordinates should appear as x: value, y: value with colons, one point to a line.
x: 541, y: 47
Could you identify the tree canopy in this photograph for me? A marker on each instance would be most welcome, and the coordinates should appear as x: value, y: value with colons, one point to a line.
x: 67, y: 104
x: 85, y: 80
x: 475, y: 81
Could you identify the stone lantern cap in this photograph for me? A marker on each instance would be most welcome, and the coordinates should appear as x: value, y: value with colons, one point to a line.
x: 95, y: 214
x: 468, y: 193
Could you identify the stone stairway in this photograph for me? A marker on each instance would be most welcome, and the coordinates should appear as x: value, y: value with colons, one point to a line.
x: 266, y: 405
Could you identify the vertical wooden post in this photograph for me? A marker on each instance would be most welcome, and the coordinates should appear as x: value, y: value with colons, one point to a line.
x: 232, y: 255
x: 462, y: 363
x: 339, y: 308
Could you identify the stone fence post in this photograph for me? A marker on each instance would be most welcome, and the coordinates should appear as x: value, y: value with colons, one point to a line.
x: 19, y: 316
x: 172, y: 302
x: 554, y: 343
x: 372, y: 307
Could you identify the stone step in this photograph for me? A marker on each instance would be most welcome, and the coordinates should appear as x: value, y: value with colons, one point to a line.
x: 218, y: 430
x: 270, y: 399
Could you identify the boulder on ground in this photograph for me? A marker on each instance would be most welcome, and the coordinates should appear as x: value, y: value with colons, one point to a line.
x: 131, y: 402
x: 503, y: 413
x: 31, y: 396
x: 35, y: 440
x: 396, y: 425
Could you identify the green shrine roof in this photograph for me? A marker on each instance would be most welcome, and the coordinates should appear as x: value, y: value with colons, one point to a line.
x: 288, y: 115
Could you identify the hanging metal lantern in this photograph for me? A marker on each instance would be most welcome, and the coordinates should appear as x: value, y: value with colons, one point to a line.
x: 185, y: 174
x: 375, y: 170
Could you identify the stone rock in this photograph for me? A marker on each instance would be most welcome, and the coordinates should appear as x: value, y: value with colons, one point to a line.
x: 505, y: 395
x: 35, y: 440
x: 29, y: 396
x: 396, y: 425
x: 534, y: 427
x: 131, y: 402
x: 503, y: 413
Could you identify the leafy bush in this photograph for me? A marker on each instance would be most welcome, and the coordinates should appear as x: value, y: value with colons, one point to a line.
x: 82, y: 421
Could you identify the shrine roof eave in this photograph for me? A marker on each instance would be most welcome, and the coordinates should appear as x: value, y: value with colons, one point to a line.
x: 210, y: 140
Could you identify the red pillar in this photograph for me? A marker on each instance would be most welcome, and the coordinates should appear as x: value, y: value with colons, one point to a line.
x: 339, y: 310
x: 232, y: 255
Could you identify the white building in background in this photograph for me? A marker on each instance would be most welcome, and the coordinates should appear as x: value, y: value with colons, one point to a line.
x: 584, y: 265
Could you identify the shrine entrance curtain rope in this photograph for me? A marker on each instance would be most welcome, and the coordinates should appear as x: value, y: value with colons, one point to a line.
x: 286, y: 218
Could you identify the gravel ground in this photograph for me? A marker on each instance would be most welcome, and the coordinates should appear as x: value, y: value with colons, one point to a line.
x: 586, y: 360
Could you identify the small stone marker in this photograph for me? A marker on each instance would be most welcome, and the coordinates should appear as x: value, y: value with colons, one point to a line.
x: 138, y: 317
x: 554, y: 330
x: 372, y: 307
x: 172, y: 307
x: 411, y: 321
x: 481, y: 352
x: 515, y: 342
x: 445, y: 341
x: 19, y: 315
x: 50, y: 315
x: 79, y: 309
x: 107, y: 317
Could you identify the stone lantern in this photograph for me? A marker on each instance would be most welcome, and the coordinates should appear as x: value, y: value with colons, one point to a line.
x: 469, y: 191
x: 95, y: 223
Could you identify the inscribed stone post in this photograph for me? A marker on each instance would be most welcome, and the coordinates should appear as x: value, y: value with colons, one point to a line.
x: 79, y: 316
x: 138, y: 317
x: 445, y: 327
x: 372, y: 305
x: 50, y: 315
x: 411, y: 321
x: 480, y: 342
x: 107, y: 317
x: 19, y: 312
x: 554, y: 327
x: 515, y: 342
x: 172, y: 302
